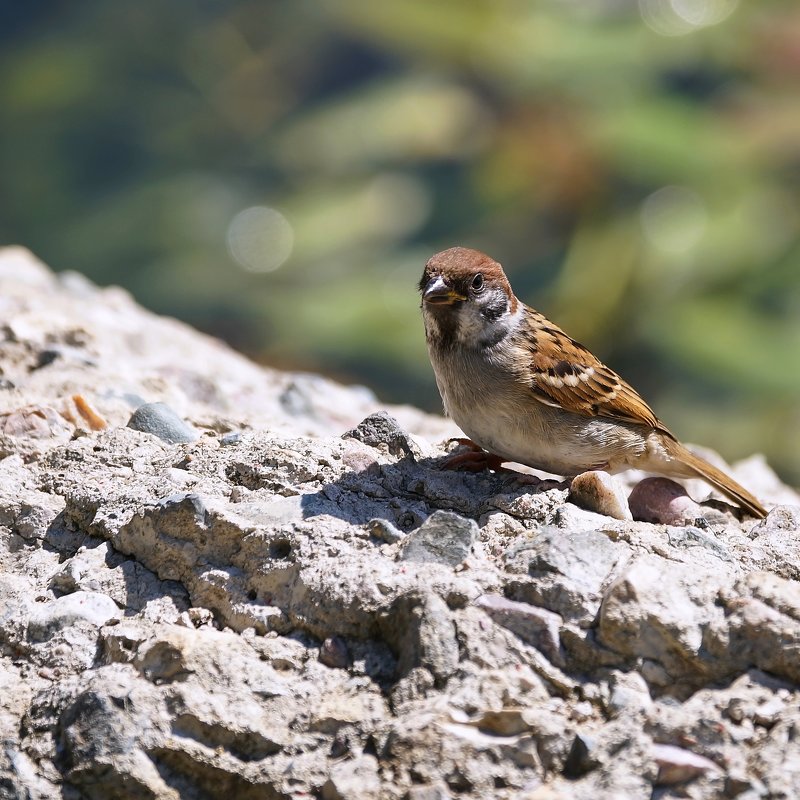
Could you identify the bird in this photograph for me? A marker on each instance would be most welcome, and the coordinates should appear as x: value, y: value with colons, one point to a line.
x: 523, y: 391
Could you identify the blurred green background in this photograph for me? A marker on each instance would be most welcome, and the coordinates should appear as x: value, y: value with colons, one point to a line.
x: 277, y: 173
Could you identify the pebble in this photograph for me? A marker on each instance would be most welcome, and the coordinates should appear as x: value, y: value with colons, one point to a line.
x: 334, y: 653
x: 230, y: 439
x: 600, y: 492
x: 661, y: 500
x: 160, y: 420
x: 383, y: 530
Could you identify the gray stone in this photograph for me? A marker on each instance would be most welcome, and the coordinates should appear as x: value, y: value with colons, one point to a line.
x: 659, y: 611
x: 444, y: 538
x: 690, y: 536
x: 567, y: 573
x: 160, y: 420
x: 382, y: 429
x: 535, y: 626
x: 419, y: 628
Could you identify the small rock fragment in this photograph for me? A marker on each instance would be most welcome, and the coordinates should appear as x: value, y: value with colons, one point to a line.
x: 160, y: 420
x: 767, y: 714
x: 629, y: 694
x: 676, y: 765
x: 419, y: 629
x: 535, y: 626
x: 334, y: 653
x: 383, y: 429
x: 689, y: 536
x: 661, y: 500
x: 384, y: 530
x: 583, y: 756
x: 598, y: 491
x: 230, y: 439
x: 35, y: 422
x: 444, y: 538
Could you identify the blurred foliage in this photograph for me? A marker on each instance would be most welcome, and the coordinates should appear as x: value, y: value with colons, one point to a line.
x: 278, y: 172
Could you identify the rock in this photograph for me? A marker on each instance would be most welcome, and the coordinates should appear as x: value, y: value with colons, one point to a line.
x: 689, y: 536
x: 431, y: 791
x: 629, y: 694
x: 566, y: 574
x: 333, y: 653
x: 160, y: 420
x: 356, y: 779
x: 777, y: 539
x: 535, y: 626
x: 419, y: 628
x: 70, y: 609
x: 284, y: 612
x: 582, y: 757
x: 383, y: 430
x: 384, y: 530
x: 664, y: 501
x: 659, y: 611
x: 762, y: 626
x: 780, y: 518
x: 600, y: 492
x: 676, y: 765
x: 444, y: 538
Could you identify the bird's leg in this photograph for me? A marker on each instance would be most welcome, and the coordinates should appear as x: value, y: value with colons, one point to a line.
x: 474, y: 459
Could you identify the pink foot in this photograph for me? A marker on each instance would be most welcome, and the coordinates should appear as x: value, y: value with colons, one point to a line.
x: 475, y: 459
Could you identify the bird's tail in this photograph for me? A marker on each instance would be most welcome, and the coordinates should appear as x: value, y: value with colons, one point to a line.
x: 718, y: 479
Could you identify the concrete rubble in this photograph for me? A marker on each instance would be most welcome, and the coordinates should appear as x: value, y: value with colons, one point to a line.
x: 271, y: 590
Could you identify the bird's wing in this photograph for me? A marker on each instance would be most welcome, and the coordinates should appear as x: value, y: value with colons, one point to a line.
x: 564, y: 374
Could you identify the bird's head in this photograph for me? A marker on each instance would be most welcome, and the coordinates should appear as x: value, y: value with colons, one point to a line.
x: 466, y: 297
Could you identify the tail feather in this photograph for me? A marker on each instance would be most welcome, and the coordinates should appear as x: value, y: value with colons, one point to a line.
x: 722, y: 482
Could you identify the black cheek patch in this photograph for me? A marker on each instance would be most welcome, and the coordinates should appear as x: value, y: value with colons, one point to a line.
x: 495, y: 309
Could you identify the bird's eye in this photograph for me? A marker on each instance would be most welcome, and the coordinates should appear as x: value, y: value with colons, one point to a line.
x: 477, y: 282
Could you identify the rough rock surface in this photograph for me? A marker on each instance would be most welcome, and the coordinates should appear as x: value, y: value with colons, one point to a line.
x: 299, y: 603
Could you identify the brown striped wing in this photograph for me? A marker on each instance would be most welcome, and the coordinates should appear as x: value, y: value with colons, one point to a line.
x: 566, y: 375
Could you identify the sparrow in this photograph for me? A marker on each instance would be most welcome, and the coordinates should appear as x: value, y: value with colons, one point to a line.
x: 522, y: 390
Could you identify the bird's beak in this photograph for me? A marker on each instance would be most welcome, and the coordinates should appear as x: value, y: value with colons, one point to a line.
x: 437, y: 292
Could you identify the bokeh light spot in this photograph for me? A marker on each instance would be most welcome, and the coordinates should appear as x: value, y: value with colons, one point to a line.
x: 674, y: 219
x: 679, y: 17
x: 260, y: 239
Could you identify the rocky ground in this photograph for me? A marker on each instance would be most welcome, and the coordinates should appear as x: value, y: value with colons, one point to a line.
x: 219, y: 580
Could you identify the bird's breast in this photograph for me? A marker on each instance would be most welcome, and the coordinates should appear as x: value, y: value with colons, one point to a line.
x: 499, y: 412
